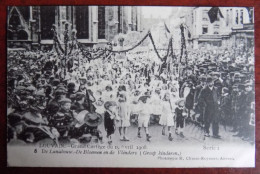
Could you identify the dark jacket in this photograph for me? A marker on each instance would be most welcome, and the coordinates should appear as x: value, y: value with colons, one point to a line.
x: 209, y: 100
x: 109, y: 124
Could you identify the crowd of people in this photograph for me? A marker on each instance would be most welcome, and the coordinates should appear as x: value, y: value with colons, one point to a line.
x: 49, y: 100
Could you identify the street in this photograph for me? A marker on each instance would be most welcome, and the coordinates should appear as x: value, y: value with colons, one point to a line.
x: 192, y: 135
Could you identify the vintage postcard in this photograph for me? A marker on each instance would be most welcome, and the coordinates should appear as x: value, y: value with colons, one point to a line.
x: 130, y: 86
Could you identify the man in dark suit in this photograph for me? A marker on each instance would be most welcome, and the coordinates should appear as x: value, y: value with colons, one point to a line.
x: 210, y: 100
x: 197, y: 108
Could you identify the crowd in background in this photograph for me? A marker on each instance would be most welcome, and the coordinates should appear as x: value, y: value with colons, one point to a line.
x: 57, y: 100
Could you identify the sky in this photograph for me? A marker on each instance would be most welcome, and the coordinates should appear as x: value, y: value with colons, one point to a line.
x: 156, y: 12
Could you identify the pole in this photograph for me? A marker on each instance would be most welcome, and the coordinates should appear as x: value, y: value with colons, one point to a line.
x: 66, y: 47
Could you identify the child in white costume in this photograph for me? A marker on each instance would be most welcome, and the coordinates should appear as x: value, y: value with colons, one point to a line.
x: 143, y: 116
x: 123, y: 121
x: 166, y: 119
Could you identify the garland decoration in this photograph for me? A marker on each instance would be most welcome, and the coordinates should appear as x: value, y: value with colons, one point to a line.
x: 56, y: 39
x: 102, y: 52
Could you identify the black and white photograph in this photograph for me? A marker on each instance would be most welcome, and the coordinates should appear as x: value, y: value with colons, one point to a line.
x: 130, y: 86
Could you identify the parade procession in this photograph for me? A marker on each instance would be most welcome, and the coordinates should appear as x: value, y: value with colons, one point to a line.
x: 159, y: 82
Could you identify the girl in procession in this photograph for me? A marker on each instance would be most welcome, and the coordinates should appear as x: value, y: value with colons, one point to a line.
x: 166, y: 119
x: 123, y: 121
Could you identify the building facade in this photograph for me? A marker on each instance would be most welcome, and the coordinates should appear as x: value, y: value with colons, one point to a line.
x: 30, y: 26
x: 234, y: 26
x: 219, y: 33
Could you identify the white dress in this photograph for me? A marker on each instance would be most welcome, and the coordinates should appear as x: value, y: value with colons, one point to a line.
x: 166, y: 118
x: 156, y: 104
x: 123, y: 115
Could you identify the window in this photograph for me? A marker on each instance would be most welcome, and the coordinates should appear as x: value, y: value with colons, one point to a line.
x: 227, y: 18
x: 47, y: 20
x: 216, y: 43
x: 119, y: 14
x: 136, y: 20
x: 241, y: 17
x: 82, y: 22
x: 101, y: 22
x: 204, y: 29
x: 134, y: 15
x: 205, y: 16
x: 251, y: 15
x: 14, y: 20
x: 216, y: 29
x: 236, y: 16
x: 231, y: 16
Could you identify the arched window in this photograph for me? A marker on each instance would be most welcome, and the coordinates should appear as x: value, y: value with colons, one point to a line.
x: 14, y: 20
x: 22, y: 35
x: 82, y: 22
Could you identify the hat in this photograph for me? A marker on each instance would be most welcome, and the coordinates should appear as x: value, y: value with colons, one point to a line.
x: 241, y: 87
x: 29, y: 116
x: 14, y: 119
x: 80, y: 117
x: 109, y: 103
x: 217, y: 82
x: 53, y: 107
x: 40, y: 93
x: 143, y: 98
x: 237, y: 75
x: 80, y: 95
x: 203, y: 78
x: 71, y: 85
x: 180, y: 102
x: 83, y: 78
x: 235, y: 85
x: 59, y: 92
x: 122, y: 88
x: 248, y: 83
x: 85, y: 138
x: 214, y: 73
x: 225, y: 90
x: 93, y: 119
x: 189, y: 68
x: 20, y: 88
x: 55, y: 82
x: 30, y: 89
x: 65, y: 100
x: 108, y: 87
x: 209, y: 79
x: 61, y: 85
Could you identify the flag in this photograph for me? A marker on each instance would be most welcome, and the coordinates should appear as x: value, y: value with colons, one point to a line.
x: 213, y: 14
x: 166, y: 28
